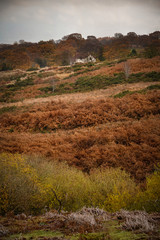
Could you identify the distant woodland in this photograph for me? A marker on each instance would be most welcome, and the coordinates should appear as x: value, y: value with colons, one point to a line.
x: 27, y: 55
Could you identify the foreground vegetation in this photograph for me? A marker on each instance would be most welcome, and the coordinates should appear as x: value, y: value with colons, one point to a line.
x: 88, y: 223
x: 30, y: 185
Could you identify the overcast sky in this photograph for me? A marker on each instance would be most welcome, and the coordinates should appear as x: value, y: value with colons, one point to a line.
x: 35, y: 20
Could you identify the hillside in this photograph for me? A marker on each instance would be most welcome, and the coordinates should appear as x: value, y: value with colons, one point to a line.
x: 79, y: 138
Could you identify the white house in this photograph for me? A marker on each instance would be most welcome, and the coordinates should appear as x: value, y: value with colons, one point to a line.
x: 90, y: 58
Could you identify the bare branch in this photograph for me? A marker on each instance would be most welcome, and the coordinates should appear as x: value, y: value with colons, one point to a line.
x: 59, y: 201
x: 127, y: 69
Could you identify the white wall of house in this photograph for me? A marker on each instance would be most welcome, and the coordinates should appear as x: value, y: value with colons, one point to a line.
x: 90, y: 58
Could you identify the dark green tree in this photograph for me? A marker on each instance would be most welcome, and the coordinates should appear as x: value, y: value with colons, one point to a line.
x: 42, y: 62
x: 133, y: 52
x: 152, y: 51
x: 101, y: 56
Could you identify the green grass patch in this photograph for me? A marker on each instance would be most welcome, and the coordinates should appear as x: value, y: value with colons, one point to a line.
x: 19, y: 84
x: 12, y: 77
x: 87, y: 83
x: 10, y: 89
x: 144, y: 77
x: 114, y: 62
x: 32, y: 69
x: 77, y: 67
x: 90, y: 83
x: 113, y: 232
x: 94, y: 236
x: 142, y: 91
x: 46, y: 89
x: 154, y: 87
x: 96, y: 82
x: 35, y: 235
x: 83, y: 84
x: 45, y: 74
x: 116, y: 233
x: 122, y: 94
x: 33, y: 73
x: 83, y: 69
x: 7, y: 109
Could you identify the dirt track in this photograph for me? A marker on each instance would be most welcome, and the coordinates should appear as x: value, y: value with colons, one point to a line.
x: 80, y: 97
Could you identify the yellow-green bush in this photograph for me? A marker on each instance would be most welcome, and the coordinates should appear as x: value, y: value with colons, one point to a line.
x: 20, y: 187
x: 30, y: 184
x: 72, y: 186
x: 115, y: 189
x: 149, y: 199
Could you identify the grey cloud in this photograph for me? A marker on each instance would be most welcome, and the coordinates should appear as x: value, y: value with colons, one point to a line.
x: 155, y: 3
x: 35, y: 20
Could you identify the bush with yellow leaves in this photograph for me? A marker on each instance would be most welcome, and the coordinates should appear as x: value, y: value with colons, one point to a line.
x: 115, y: 189
x: 149, y: 200
x: 32, y: 184
x: 71, y: 186
x: 20, y: 186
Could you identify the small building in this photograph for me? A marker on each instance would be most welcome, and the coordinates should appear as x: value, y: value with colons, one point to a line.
x: 88, y: 59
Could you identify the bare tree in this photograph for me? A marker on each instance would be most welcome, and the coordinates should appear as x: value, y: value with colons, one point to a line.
x: 127, y: 69
x: 53, y: 84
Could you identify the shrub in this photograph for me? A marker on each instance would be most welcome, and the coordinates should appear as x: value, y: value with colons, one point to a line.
x: 32, y: 69
x: 151, y: 51
x: 5, y: 67
x: 20, y: 188
x: 71, y: 186
x: 30, y: 184
x: 115, y: 189
x: 150, y: 198
x: 133, y: 53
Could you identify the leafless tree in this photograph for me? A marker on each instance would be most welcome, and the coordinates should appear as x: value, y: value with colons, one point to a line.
x: 53, y: 84
x: 127, y: 69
